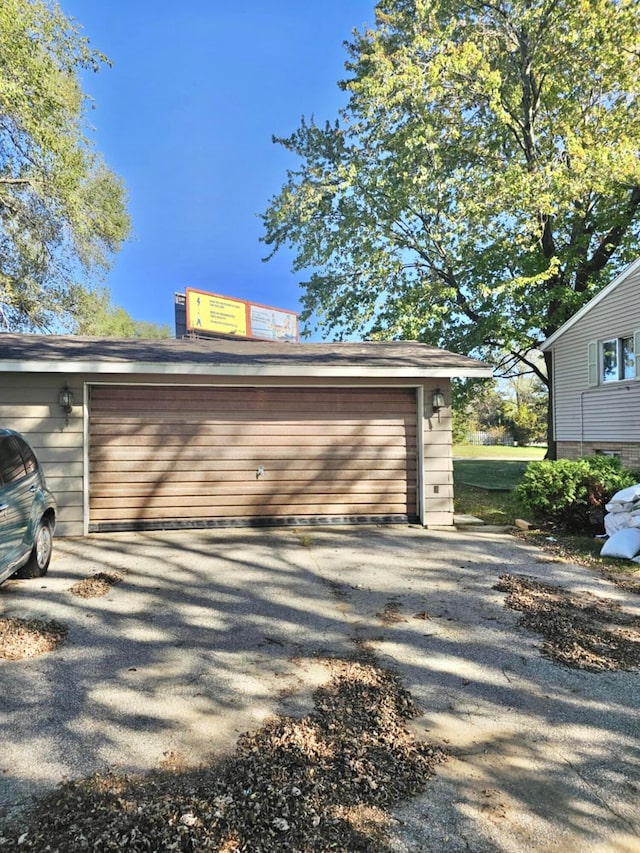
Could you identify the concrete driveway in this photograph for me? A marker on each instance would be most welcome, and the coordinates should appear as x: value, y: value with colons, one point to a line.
x: 211, y: 632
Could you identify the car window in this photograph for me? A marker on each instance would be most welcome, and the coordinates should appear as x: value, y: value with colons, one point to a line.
x: 28, y: 456
x: 11, y: 464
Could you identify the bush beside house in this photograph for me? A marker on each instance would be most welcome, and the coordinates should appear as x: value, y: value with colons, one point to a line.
x: 571, y: 494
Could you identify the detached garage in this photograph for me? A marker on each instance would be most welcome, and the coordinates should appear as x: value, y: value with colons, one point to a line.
x: 175, y: 433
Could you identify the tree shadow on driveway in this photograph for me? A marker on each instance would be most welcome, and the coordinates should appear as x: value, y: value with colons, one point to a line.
x: 212, y: 632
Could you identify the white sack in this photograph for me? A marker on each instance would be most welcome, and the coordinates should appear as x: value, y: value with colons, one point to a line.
x: 628, y: 495
x: 615, y: 521
x: 622, y: 506
x: 624, y: 544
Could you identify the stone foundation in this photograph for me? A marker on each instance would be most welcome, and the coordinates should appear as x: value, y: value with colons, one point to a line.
x: 629, y: 452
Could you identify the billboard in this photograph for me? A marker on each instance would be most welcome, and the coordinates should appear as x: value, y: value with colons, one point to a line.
x: 207, y: 312
x: 223, y: 315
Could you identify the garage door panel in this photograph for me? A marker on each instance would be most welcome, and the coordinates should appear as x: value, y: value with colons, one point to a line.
x: 273, y: 508
x: 149, y: 425
x: 136, y: 480
x: 179, y: 454
x: 312, y: 433
x: 231, y: 401
x: 239, y: 469
x: 296, y: 504
x: 269, y: 438
x: 205, y: 489
x: 356, y: 457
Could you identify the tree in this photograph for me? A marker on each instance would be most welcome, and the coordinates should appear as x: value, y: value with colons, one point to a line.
x: 62, y: 211
x: 515, y: 407
x: 526, y: 409
x: 478, y: 406
x: 95, y: 315
x: 483, y: 181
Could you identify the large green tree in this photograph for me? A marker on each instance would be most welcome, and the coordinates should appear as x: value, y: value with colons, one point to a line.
x: 95, y: 315
x: 63, y: 213
x: 483, y: 180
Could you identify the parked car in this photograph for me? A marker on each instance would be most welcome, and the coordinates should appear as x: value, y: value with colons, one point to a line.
x: 27, y: 510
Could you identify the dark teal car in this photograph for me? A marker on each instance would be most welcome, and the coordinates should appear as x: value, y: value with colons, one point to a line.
x: 27, y: 510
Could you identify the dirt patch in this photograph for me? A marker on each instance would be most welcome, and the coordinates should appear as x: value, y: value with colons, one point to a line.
x: 323, y: 782
x: 27, y: 638
x: 96, y: 585
x: 580, y: 630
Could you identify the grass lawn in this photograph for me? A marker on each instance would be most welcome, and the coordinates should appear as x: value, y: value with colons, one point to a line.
x: 493, y: 474
x: 492, y: 506
x: 484, y: 478
x: 489, y: 468
x: 495, y: 451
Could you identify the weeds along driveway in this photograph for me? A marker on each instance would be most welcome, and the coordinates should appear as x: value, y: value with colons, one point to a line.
x: 211, y: 632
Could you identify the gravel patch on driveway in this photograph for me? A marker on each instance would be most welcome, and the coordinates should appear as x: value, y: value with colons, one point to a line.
x: 208, y: 634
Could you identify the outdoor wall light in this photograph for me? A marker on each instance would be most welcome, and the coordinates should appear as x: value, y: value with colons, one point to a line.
x: 437, y: 401
x: 66, y: 399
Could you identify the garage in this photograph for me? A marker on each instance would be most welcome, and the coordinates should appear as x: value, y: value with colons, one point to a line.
x: 139, y: 434
x: 176, y: 456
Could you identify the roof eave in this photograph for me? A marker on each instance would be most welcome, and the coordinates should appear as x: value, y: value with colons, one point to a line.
x: 480, y: 371
x: 590, y: 305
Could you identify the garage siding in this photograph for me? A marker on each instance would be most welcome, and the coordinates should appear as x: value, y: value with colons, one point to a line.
x: 29, y: 404
x: 206, y: 455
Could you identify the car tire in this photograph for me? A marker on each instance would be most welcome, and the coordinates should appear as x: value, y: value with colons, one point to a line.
x: 40, y: 557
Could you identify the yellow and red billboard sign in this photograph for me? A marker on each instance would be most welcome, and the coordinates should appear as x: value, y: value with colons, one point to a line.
x: 222, y: 315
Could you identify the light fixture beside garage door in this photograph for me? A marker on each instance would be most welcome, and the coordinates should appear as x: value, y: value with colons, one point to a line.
x: 437, y: 400
x: 65, y: 398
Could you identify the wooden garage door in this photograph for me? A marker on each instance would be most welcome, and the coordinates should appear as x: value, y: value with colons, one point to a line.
x: 199, y: 456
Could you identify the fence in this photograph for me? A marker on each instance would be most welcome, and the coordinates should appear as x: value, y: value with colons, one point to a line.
x: 494, y: 436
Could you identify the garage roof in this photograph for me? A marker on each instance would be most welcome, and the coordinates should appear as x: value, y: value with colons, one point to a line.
x: 77, y: 354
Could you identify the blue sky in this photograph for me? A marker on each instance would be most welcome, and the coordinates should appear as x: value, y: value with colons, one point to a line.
x: 186, y: 115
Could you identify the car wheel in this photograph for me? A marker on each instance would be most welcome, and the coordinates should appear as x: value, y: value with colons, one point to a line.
x: 40, y: 557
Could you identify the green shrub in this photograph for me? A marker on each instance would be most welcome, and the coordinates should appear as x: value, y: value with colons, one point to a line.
x: 571, y: 493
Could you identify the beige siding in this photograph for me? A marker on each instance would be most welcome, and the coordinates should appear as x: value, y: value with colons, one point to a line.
x: 609, y: 412
x: 29, y: 404
x: 438, y: 463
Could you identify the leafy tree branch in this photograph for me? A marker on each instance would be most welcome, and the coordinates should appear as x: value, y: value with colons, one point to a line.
x: 483, y: 180
x: 63, y: 212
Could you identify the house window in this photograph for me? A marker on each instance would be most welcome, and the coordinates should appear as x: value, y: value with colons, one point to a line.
x: 618, y: 360
x: 614, y: 454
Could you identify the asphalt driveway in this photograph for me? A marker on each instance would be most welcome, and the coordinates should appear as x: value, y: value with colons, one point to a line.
x: 211, y: 632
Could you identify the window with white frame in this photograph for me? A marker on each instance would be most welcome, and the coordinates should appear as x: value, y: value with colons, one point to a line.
x: 614, y: 359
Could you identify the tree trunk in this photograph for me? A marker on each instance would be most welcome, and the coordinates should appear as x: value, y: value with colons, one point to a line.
x: 552, y: 452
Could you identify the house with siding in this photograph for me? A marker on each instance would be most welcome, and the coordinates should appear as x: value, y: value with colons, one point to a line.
x: 596, y: 374
x: 161, y: 434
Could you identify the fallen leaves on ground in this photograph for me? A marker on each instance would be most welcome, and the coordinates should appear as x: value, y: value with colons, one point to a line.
x: 324, y: 782
x: 96, y: 585
x: 628, y: 580
x: 580, y: 630
x: 391, y: 613
x: 27, y: 638
x: 584, y: 551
